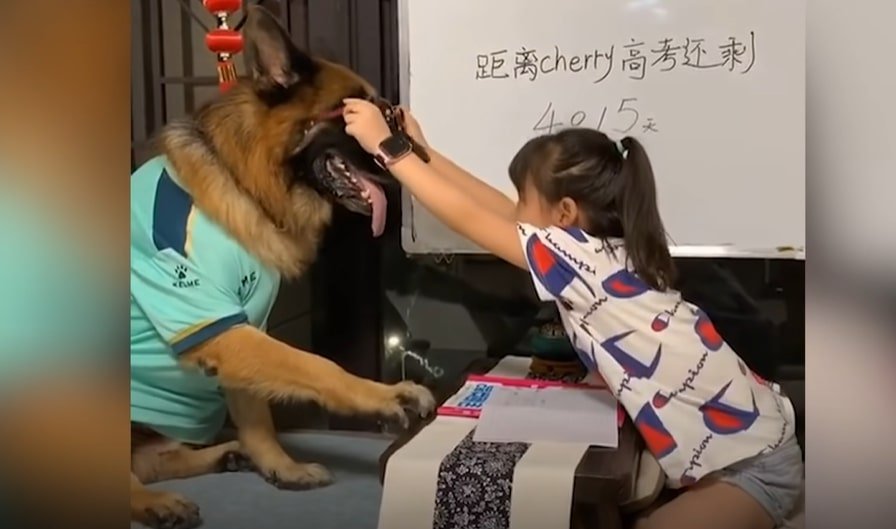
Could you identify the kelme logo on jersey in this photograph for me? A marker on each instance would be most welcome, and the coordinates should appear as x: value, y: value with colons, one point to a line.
x: 180, y: 271
x: 246, y: 284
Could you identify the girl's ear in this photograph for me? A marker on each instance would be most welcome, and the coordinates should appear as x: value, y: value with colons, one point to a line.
x: 566, y: 212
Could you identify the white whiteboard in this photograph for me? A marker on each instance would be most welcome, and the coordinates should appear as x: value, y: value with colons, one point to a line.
x: 725, y: 131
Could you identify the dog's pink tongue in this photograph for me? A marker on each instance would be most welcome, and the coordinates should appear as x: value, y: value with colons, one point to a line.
x: 378, y: 205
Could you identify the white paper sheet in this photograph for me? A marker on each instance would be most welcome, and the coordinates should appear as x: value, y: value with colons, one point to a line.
x: 549, y: 414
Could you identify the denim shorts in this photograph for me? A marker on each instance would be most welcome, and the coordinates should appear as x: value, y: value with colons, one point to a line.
x: 775, y: 479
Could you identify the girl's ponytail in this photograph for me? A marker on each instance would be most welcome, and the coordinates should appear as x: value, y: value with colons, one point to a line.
x: 644, y: 234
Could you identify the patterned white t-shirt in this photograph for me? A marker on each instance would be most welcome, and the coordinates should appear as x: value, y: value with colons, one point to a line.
x: 693, y: 400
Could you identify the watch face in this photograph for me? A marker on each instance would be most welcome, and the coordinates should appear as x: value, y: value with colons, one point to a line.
x: 395, y: 145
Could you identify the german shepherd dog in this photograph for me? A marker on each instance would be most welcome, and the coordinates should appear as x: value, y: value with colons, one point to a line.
x: 262, y: 164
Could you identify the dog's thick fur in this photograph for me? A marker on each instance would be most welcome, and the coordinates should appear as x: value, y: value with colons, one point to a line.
x: 234, y: 157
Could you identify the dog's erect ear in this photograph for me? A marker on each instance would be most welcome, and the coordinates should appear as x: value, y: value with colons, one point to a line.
x: 271, y: 57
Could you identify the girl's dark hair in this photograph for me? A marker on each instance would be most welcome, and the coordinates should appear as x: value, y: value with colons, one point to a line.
x: 614, y: 190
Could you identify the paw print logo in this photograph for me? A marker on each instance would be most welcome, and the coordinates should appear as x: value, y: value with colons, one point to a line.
x: 180, y: 271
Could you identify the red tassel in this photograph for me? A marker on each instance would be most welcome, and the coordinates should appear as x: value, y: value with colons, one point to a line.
x: 226, y: 75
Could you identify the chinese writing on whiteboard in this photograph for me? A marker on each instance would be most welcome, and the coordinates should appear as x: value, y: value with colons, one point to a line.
x: 633, y: 59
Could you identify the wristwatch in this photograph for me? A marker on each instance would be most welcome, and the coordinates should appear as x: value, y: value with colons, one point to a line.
x: 392, y: 149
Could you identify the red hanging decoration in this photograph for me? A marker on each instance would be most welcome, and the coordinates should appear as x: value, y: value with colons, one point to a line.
x: 223, y: 41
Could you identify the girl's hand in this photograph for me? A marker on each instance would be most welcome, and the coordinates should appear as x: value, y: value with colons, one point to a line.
x: 365, y: 123
x: 412, y: 127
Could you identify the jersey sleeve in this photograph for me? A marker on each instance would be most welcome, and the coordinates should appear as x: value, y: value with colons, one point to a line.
x: 562, y: 262
x: 186, y: 306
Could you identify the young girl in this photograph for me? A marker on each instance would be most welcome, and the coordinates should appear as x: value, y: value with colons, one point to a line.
x: 588, y: 229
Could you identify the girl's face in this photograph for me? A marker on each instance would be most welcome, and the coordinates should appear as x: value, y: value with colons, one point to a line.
x: 532, y: 208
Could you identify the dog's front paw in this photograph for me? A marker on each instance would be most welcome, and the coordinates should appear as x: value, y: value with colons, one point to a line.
x: 409, y: 398
x: 415, y: 397
x: 165, y: 510
x: 298, y: 476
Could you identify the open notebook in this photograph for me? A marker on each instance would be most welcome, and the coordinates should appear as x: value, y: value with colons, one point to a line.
x: 512, y: 409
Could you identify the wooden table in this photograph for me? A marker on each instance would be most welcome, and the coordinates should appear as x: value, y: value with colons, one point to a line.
x: 603, y: 477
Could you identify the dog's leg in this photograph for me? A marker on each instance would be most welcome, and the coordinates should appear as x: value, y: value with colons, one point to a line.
x: 151, y: 463
x: 162, y: 510
x: 187, y: 462
x: 258, y: 440
x: 246, y: 358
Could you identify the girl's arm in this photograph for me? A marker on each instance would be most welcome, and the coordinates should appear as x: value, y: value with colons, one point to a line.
x: 460, y: 211
x: 485, y: 194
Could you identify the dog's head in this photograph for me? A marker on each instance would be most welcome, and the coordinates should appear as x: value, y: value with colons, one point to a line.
x: 302, y: 96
